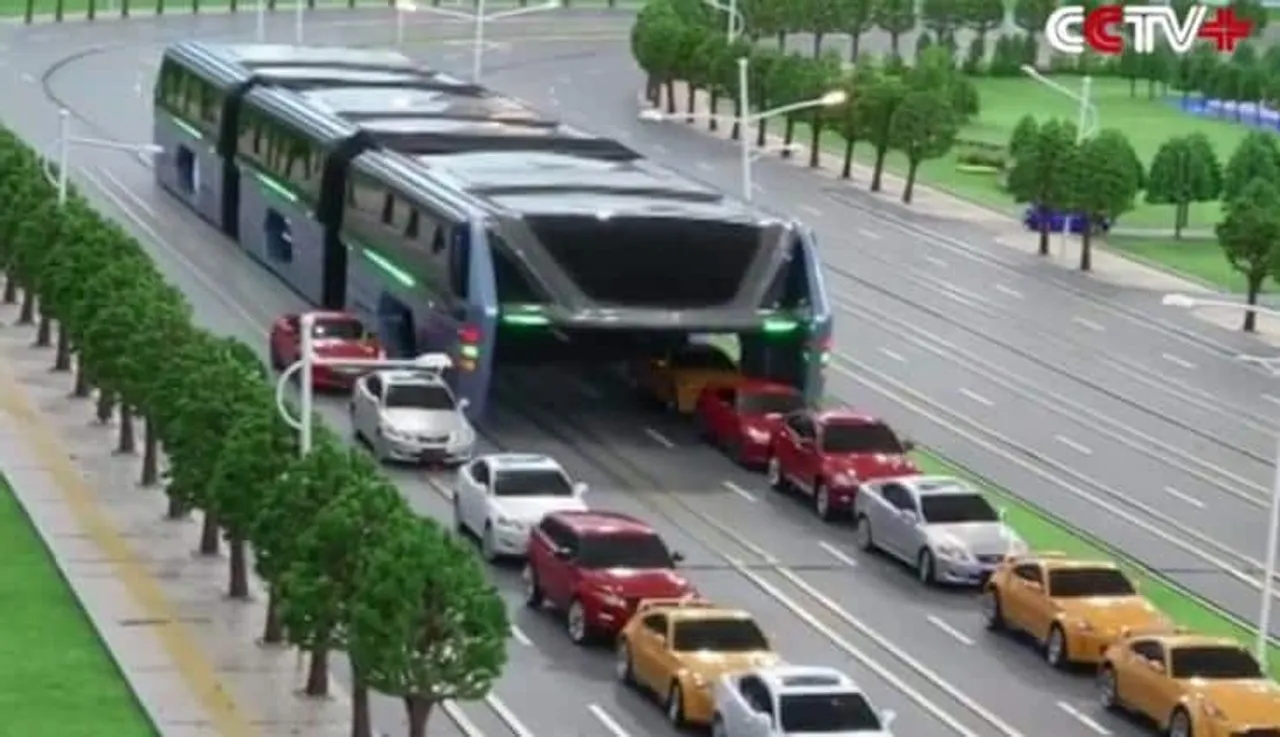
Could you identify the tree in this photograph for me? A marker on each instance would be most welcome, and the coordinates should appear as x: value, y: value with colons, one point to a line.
x: 1031, y: 16
x: 1104, y: 183
x: 1253, y: 11
x: 763, y: 94
x: 1256, y: 157
x: 1040, y: 175
x: 819, y: 17
x: 716, y: 57
x: 688, y: 66
x: 854, y: 19
x: 117, y: 373
x: 1248, y: 234
x: 1184, y: 170
x: 1024, y: 136
x: 878, y: 103
x: 923, y: 127
x: 820, y: 77
x: 167, y: 323
x: 319, y: 578
x: 100, y: 294
x: 983, y: 17
x: 786, y: 85
x: 849, y: 117
x: 942, y: 18
x: 656, y: 39
x: 82, y: 253
x: 24, y: 188
x: 426, y: 625
x: 31, y: 241
x: 894, y: 17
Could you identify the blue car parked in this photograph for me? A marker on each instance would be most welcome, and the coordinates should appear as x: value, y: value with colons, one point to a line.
x: 1074, y: 223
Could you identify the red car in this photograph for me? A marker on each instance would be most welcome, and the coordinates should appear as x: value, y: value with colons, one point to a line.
x: 335, y: 335
x: 741, y: 417
x: 827, y: 455
x: 596, y: 567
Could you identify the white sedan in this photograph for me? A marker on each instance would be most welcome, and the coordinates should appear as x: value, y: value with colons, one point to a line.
x: 499, y: 498
x: 782, y: 700
x: 411, y: 417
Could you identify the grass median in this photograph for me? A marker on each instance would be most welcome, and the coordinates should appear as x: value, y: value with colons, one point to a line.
x: 58, y: 678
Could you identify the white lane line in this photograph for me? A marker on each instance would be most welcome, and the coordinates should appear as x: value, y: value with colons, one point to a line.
x: 757, y: 188
x: 1087, y: 323
x: 941, y: 624
x: 1083, y: 718
x: 460, y: 719
x: 894, y: 356
x: 1008, y: 291
x: 838, y: 554
x: 1184, y: 497
x: 871, y: 234
x: 977, y: 397
x: 128, y: 193
x: 28, y: 78
x: 1184, y: 363
x: 1077, y: 447
x: 1271, y: 398
x: 507, y: 716
x: 609, y: 722
x: 704, y: 166
x: 659, y: 438
x: 520, y: 637
x: 810, y: 209
x: 936, y: 261
x: 740, y: 491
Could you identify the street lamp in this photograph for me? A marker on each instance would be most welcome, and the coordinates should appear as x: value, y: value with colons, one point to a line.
x: 1087, y: 116
x: 834, y: 98
x: 1273, y: 521
x: 65, y: 141
x: 308, y: 360
x: 402, y: 7
x: 737, y: 23
x: 480, y: 18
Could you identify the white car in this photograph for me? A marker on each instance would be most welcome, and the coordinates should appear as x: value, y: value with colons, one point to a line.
x: 411, y: 416
x: 499, y: 498
x: 793, y: 700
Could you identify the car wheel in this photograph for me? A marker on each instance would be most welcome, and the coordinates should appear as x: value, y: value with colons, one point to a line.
x: 1108, y: 688
x: 488, y: 547
x: 993, y: 610
x: 822, y: 502
x: 576, y: 625
x: 1055, y: 647
x: 717, y: 727
x: 675, y: 705
x: 774, y: 473
x: 862, y: 533
x: 1180, y: 723
x: 622, y: 666
x: 532, y: 589
x: 925, y: 568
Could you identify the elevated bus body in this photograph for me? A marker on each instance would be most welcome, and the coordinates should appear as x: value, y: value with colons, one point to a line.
x: 455, y: 220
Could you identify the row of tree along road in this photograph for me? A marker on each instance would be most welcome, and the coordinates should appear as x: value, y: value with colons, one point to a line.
x: 348, y: 565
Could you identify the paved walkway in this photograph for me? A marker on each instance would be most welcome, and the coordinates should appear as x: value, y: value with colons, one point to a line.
x: 1005, y: 230
x: 187, y: 651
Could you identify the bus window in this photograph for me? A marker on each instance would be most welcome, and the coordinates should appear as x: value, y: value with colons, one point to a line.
x: 460, y: 261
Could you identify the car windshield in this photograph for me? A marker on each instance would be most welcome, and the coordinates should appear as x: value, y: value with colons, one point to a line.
x: 1080, y: 582
x: 624, y: 551
x: 532, y: 482
x: 860, y: 437
x: 945, y: 509
x: 1214, y: 661
x: 340, y: 329
x: 729, y: 635
x: 768, y: 403
x: 827, y: 712
x: 419, y: 396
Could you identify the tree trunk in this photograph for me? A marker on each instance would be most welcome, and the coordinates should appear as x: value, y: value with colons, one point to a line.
x: 1044, y: 237
x: 238, y: 586
x: 846, y: 170
x: 782, y: 41
x: 737, y: 119
x: 690, y: 101
x: 318, y: 673
x: 209, y: 535
x: 895, y: 42
x: 418, y: 709
x: 82, y: 388
x: 762, y: 131
x: 909, y: 188
x: 128, y: 439
x: 272, y: 632
x: 1086, y: 246
x: 150, y: 455
x: 652, y: 90
x: 855, y: 42
x: 361, y: 724
x: 1253, y: 285
x: 671, y: 97
x: 881, y: 152
x: 28, y: 314
x: 788, y: 135
x: 10, y: 289
x: 817, y: 44
x: 106, y: 406
x: 815, y: 142
x: 62, y: 358
x: 1182, y: 214
x: 714, y: 102
x: 44, y: 331
x: 177, y: 510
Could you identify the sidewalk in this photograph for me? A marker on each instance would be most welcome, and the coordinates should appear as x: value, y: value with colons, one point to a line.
x: 188, y: 653
x: 1004, y: 230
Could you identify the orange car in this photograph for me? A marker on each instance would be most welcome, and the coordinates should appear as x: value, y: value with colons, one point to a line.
x: 1191, y: 685
x: 1074, y: 608
x: 676, y: 380
x: 677, y: 648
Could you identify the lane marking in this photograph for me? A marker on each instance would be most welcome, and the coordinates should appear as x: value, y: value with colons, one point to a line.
x: 941, y: 624
x: 520, y: 637
x: 659, y: 438
x: 609, y: 722
x: 757, y: 188
x: 132, y: 196
x: 1077, y: 447
x: 1083, y: 718
x: 704, y: 166
x: 811, y: 210
x: 1184, y: 363
x: 936, y: 261
x: 460, y: 719
x: 507, y: 716
x: 1184, y: 497
x: 898, y: 356
x: 1008, y: 291
x: 871, y: 234
x: 838, y: 554
x: 1086, y: 322
x: 977, y: 397
x: 28, y: 78
x: 740, y: 491
x: 1271, y: 398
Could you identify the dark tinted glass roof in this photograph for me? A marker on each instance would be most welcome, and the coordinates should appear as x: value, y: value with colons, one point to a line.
x: 344, y: 75
x: 534, y: 172
x: 253, y: 55
x: 401, y: 102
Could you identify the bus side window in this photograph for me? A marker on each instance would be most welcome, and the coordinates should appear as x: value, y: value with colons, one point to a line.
x: 460, y: 260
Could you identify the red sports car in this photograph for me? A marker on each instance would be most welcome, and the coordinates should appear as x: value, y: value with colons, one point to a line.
x: 741, y: 416
x: 335, y: 335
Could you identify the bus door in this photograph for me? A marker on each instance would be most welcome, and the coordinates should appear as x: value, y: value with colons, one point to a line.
x: 455, y: 325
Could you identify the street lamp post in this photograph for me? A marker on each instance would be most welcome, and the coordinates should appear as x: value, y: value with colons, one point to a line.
x: 736, y: 22
x: 1273, y: 519
x: 260, y: 13
x: 61, y: 179
x: 402, y: 8
x: 1086, y: 118
x: 479, y: 19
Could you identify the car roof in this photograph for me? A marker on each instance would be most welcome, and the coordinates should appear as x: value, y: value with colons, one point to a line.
x: 1175, y: 640
x: 1055, y: 563
x: 409, y: 376
x: 596, y: 522
x: 845, y: 417
x: 934, y: 485
x: 783, y: 679
x: 508, y: 461
x: 678, y: 613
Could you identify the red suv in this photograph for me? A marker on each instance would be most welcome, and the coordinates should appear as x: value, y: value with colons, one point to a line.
x: 596, y: 567
x: 827, y: 455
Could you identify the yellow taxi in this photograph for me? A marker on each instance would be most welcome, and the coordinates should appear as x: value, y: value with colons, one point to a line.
x: 1190, y: 685
x: 677, y: 648
x: 1074, y: 608
x: 676, y: 380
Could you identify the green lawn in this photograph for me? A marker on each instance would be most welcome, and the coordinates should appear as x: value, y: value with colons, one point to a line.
x: 1045, y: 533
x: 57, y: 677
x: 1200, y: 259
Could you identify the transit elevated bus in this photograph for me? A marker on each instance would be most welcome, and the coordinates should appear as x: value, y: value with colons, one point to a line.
x: 458, y: 221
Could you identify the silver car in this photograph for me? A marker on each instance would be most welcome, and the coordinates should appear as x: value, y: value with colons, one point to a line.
x: 941, y: 525
x: 411, y: 417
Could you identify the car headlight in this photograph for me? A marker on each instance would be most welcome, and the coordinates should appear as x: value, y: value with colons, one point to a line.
x: 845, y: 478
x: 609, y: 599
x: 459, y: 438
x: 509, y: 523
x: 951, y: 550
x: 393, y: 433
x: 756, y: 435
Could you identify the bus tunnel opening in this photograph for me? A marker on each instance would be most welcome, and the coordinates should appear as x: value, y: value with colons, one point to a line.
x: 188, y: 172
x: 279, y: 237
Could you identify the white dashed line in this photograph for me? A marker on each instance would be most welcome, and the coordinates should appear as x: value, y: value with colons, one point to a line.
x: 740, y: 491
x: 1008, y: 291
x: 28, y: 78
x: 869, y: 234
x: 609, y: 722
x: 520, y: 636
x: 1083, y: 718
x: 960, y: 637
x: 1184, y: 497
x: 977, y: 397
x: 810, y: 209
x: 704, y: 166
x: 1077, y: 447
x: 1184, y: 363
x: 507, y: 716
x: 1271, y: 398
x: 936, y: 261
x: 894, y: 356
x: 659, y: 438
x: 1087, y: 323
x: 838, y: 554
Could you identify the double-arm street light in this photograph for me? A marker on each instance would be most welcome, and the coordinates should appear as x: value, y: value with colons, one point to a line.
x: 1273, y: 521
x: 744, y: 119
x: 736, y: 22
x: 64, y: 144
x: 478, y: 17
